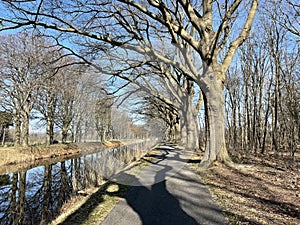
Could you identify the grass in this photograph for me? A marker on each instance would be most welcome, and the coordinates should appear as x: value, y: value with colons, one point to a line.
x: 93, y: 208
x: 15, y: 158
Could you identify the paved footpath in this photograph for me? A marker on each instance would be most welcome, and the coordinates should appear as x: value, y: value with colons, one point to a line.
x: 167, y: 192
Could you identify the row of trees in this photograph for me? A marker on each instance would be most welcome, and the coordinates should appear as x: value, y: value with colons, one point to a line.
x: 262, y: 89
x: 39, y: 81
x: 26, y: 69
x: 175, y: 56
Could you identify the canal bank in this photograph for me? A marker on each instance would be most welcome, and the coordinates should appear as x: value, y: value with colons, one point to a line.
x: 37, y: 195
x: 93, y: 205
x: 13, y: 159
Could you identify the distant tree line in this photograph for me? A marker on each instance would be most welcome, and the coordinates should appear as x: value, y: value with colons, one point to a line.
x: 40, y: 81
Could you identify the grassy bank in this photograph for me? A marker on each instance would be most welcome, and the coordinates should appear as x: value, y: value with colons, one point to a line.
x: 14, y: 158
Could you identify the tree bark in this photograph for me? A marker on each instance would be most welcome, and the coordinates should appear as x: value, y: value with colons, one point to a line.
x: 3, y: 135
x: 177, y: 131
x: 51, y: 105
x: 214, y: 102
x: 50, y: 131
x: 64, y: 133
x: 18, y: 123
x: 26, y: 117
x: 190, y: 121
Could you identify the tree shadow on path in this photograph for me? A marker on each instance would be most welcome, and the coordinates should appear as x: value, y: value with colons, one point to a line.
x: 151, y: 199
x: 155, y: 205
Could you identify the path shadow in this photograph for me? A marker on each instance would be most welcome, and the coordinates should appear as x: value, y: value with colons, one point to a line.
x: 152, y: 201
x: 155, y: 205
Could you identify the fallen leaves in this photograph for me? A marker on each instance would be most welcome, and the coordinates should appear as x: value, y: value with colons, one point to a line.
x: 262, y: 190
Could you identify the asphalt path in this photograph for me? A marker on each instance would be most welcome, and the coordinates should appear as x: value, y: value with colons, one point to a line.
x: 167, y: 192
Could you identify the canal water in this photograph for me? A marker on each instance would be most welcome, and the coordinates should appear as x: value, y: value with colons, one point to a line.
x: 35, y: 196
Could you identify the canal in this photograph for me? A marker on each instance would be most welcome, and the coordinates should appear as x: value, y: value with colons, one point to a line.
x: 36, y: 195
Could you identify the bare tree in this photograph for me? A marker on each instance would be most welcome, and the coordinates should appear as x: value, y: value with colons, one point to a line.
x: 289, y: 11
x: 47, y: 96
x: 24, y: 60
x: 103, y: 117
x: 266, y: 72
x: 69, y: 78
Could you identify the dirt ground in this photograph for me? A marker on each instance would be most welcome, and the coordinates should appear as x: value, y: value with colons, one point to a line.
x: 258, y: 190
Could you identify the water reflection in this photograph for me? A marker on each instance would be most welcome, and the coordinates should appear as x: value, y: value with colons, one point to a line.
x: 35, y: 196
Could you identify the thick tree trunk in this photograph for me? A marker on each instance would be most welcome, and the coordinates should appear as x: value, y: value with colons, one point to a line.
x: 51, y: 105
x: 189, y: 134
x: 25, y: 130
x: 103, y: 134
x: 177, y: 132
x: 50, y: 131
x: 214, y: 102
x: 190, y: 121
x: 26, y: 118
x: 3, y: 132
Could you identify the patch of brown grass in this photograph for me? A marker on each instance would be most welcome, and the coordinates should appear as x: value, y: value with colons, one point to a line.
x: 15, y: 158
x: 11, y: 155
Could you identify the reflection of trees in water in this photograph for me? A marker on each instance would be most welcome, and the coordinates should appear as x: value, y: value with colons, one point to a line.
x: 35, y: 196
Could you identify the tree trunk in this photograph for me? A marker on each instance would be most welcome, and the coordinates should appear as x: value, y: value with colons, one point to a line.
x: 103, y: 134
x: 177, y: 131
x: 190, y: 121
x: 51, y: 105
x: 214, y: 102
x: 64, y: 134
x: 25, y: 129
x: 26, y: 118
x: 50, y: 130
x: 18, y: 123
x: 3, y: 135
